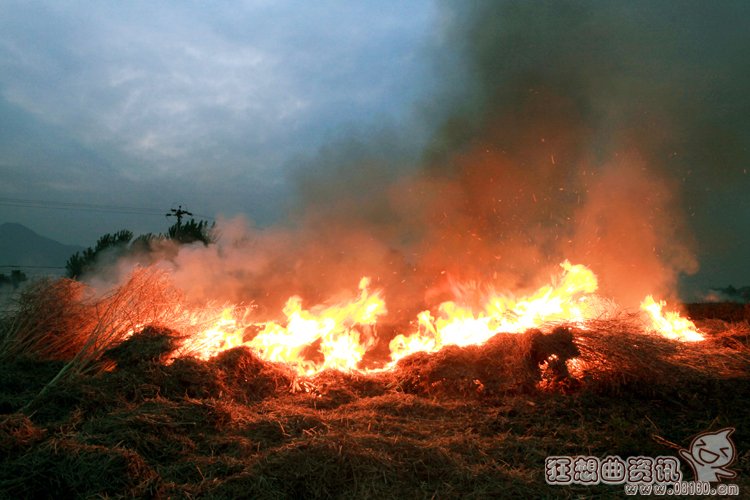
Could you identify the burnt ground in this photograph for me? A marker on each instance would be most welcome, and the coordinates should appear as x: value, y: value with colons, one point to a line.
x: 476, y: 422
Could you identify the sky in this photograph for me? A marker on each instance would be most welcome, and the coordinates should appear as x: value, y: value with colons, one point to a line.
x: 154, y: 104
x: 112, y: 113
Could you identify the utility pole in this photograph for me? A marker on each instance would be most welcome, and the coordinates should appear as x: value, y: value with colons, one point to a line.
x: 179, y: 213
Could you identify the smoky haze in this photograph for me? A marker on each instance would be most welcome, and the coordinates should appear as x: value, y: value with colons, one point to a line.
x: 592, y: 131
x: 626, y: 121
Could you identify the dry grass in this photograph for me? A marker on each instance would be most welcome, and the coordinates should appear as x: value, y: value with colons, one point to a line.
x: 63, y: 319
x: 65, y: 468
x: 47, y: 321
x: 60, y: 320
x: 474, y: 422
x: 506, y: 364
x: 727, y: 311
x: 614, y: 359
x: 735, y: 335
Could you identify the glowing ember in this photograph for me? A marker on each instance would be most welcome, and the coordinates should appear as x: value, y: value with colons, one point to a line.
x: 670, y: 324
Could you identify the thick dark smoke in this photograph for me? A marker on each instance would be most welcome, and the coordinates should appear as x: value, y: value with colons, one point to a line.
x: 626, y: 120
x: 582, y: 130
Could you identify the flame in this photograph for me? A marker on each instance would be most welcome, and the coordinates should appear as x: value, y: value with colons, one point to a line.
x: 670, y: 324
x: 344, y: 331
x: 569, y: 299
x: 224, y: 334
x: 337, y: 335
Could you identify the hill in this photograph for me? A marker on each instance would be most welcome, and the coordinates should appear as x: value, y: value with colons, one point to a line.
x: 20, y: 246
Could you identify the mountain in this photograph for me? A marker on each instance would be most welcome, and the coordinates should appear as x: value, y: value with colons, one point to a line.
x: 20, y: 246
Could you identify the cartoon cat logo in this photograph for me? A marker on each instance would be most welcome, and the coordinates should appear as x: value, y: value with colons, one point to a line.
x: 710, y: 453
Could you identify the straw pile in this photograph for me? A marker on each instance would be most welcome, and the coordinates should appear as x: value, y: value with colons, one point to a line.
x: 144, y: 420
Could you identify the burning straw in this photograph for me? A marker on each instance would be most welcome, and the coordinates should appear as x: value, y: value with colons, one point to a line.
x: 64, y: 320
x: 616, y: 356
x: 48, y: 321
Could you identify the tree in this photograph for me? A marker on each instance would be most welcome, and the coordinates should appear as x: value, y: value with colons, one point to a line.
x: 81, y: 262
x: 191, y: 231
x: 122, y: 243
x: 146, y: 243
x: 16, y: 278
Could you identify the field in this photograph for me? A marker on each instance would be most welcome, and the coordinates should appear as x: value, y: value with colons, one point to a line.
x: 474, y: 422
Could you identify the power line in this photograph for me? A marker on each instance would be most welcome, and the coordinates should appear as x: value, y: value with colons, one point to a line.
x: 75, y: 206
x: 85, y: 207
x: 31, y: 267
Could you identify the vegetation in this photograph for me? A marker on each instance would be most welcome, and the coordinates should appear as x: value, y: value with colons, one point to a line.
x: 733, y: 294
x: 115, y: 244
x: 122, y: 243
x: 190, y: 232
x: 15, y: 279
x: 137, y: 416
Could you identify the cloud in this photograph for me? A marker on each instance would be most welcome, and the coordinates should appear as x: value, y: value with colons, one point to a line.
x: 207, y: 102
x: 160, y: 85
x: 168, y: 81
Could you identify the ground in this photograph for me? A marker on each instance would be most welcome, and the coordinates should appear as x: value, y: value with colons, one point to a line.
x: 473, y: 422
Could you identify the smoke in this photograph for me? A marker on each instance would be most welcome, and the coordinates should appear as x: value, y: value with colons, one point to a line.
x: 620, y: 118
x: 557, y: 145
x: 561, y: 130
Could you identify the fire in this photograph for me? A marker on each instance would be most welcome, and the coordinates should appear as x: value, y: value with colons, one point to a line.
x: 343, y: 330
x: 670, y: 324
x: 568, y: 299
x: 337, y: 335
x: 224, y: 334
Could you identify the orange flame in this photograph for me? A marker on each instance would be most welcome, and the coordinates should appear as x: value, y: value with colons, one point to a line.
x: 339, y: 328
x: 222, y: 335
x: 337, y: 336
x: 670, y: 324
x: 568, y: 299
